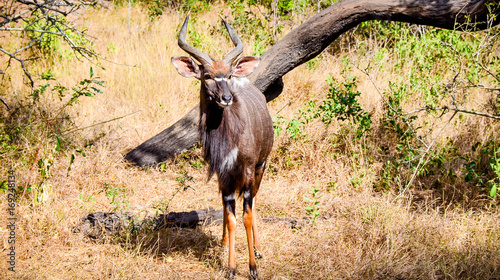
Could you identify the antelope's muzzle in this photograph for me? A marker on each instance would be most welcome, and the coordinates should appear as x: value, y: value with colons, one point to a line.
x: 226, y: 100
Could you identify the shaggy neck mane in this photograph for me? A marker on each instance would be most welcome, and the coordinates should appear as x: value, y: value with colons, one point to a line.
x: 219, y: 130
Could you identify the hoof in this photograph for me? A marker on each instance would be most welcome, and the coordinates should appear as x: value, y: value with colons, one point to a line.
x: 253, y: 272
x: 258, y: 255
x: 231, y: 274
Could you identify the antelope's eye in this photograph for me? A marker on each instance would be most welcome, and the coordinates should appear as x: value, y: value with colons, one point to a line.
x: 207, y: 76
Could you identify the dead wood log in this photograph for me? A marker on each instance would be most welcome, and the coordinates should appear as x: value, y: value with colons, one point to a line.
x: 98, y: 224
x: 310, y: 39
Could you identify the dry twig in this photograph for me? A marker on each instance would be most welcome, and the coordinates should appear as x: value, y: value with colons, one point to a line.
x: 34, y: 21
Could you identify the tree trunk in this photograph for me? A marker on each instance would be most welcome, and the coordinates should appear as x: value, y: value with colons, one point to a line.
x: 310, y: 39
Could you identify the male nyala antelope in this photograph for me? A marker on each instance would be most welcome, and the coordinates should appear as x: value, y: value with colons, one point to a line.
x: 236, y: 132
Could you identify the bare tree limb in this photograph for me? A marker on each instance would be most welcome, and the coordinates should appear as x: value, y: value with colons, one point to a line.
x: 99, y: 123
x: 21, y: 61
x: 34, y: 20
x: 454, y: 109
x: 5, y: 103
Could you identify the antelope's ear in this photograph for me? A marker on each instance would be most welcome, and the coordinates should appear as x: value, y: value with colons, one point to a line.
x: 186, y: 66
x: 245, y: 66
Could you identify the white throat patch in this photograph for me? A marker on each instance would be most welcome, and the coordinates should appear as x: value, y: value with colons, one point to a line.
x: 240, y: 82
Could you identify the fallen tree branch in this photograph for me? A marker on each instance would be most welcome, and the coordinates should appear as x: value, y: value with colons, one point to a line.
x: 98, y: 224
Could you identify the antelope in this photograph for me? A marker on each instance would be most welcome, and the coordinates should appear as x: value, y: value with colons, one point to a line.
x: 236, y: 134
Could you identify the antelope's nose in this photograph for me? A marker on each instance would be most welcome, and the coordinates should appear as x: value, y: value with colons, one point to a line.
x: 227, y: 99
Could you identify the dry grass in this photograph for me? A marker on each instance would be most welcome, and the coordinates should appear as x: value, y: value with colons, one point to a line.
x: 361, y: 234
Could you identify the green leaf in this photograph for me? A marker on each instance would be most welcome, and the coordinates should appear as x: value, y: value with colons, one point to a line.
x: 96, y: 90
x: 91, y: 72
x: 82, y: 152
x: 47, y: 76
x: 71, y: 160
x: 493, y: 191
x: 58, y: 144
x: 101, y: 83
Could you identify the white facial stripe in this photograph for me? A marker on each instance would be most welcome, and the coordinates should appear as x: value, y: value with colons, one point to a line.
x: 220, y: 79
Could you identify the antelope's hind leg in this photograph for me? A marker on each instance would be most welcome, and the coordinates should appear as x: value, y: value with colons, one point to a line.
x: 225, y: 240
x: 249, y: 222
x: 259, y: 172
x: 257, y: 249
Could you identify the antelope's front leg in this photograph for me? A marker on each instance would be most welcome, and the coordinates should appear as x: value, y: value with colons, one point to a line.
x: 224, y: 225
x: 230, y: 221
x: 248, y: 221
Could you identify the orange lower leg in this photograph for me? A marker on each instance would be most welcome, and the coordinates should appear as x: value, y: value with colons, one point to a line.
x: 231, y: 228
x: 248, y: 222
x: 256, y: 236
x: 224, y: 228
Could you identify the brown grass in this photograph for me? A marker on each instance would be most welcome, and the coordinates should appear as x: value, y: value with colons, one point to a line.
x: 361, y: 234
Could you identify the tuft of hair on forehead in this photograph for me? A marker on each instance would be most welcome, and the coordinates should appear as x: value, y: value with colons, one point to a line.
x: 218, y: 68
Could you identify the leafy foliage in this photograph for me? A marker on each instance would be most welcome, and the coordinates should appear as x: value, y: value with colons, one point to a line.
x: 313, y: 209
x: 446, y: 68
x: 33, y: 123
x: 341, y: 102
x: 495, y: 165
